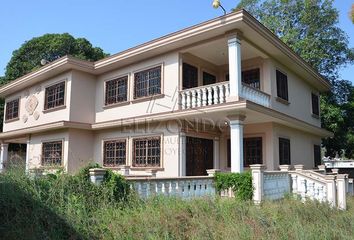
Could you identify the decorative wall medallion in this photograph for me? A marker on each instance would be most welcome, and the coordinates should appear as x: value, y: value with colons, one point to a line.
x: 24, y: 118
x: 38, y: 88
x: 26, y: 93
x: 31, y: 104
x: 36, y: 115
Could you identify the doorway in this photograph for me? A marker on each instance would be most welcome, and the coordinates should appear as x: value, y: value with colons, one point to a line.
x: 199, y: 156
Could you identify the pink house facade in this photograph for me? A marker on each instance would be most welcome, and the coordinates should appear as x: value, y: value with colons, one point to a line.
x: 223, y: 94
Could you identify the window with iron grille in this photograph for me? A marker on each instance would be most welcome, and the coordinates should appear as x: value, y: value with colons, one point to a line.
x: 282, y: 85
x: 252, y: 151
x: 190, y: 76
x: 52, y: 153
x: 284, y: 151
x: 317, y: 155
x: 116, y: 90
x: 251, y: 78
x: 315, y: 104
x: 147, y: 82
x: 114, y: 153
x: 147, y: 152
x: 12, y: 109
x: 54, y: 96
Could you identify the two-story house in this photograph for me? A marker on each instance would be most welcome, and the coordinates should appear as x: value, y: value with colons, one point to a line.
x: 222, y: 94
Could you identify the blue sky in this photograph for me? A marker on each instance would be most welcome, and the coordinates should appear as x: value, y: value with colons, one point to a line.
x: 115, y: 25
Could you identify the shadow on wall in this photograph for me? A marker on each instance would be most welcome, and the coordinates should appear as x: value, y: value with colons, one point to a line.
x: 23, y: 217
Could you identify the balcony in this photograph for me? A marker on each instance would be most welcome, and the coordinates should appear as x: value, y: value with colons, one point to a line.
x: 217, y: 93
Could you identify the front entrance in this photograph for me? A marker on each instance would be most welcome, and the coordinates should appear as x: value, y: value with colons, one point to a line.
x: 199, y: 156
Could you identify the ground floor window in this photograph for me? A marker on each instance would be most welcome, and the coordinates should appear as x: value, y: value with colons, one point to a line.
x: 147, y: 152
x: 252, y: 151
x: 114, y: 153
x: 284, y: 151
x: 52, y: 153
x: 317, y: 154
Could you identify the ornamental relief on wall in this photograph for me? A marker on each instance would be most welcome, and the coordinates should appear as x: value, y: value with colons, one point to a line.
x: 31, y: 104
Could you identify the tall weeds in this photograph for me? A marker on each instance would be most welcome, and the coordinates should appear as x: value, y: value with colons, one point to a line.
x: 70, y: 207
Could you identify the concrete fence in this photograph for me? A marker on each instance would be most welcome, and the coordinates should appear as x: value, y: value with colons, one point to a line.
x: 305, y: 184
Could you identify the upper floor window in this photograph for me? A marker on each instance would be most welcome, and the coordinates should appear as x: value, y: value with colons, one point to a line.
x: 252, y: 78
x: 208, y: 78
x: 52, y: 153
x: 315, y: 104
x: 147, y: 82
x: 12, y: 108
x: 190, y: 76
x: 147, y: 152
x: 114, y: 153
x: 116, y: 90
x: 284, y: 151
x: 54, y: 96
x: 282, y: 85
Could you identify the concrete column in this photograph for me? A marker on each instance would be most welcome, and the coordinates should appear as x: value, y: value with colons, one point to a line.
x: 182, y: 154
x: 3, y: 156
x: 216, y: 153
x: 342, y: 191
x: 257, y: 181
x: 236, y: 138
x: 27, y: 155
x: 234, y: 49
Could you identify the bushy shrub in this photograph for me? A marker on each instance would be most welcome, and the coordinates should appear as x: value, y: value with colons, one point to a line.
x: 240, y: 183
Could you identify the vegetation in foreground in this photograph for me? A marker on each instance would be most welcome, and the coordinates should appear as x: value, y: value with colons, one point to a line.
x: 70, y: 207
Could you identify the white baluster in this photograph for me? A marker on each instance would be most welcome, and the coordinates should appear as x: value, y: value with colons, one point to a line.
x: 311, y: 190
x: 159, y: 188
x: 183, y: 100
x: 173, y: 188
x: 216, y: 94
x: 210, y: 96
x: 194, y: 98
x: 199, y: 97
x: 294, y: 183
x: 227, y: 90
x: 303, y: 189
x: 222, y: 95
x: 166, y: 185
x: 204, y: 98
x: 188, y: 101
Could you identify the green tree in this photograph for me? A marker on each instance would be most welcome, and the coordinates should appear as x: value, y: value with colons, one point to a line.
x: 49, y: 47
x: 310, y: 28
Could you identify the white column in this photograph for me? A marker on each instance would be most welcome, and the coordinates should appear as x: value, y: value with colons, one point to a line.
x: 27, y: 155
x: 236, y: 137
x: 331, y: 189
x: 3, y: 156
x: 342, y: 191
x: 257, y: 182
x: 216, y: 153
x: 182, y: 154
x: 234, y: 48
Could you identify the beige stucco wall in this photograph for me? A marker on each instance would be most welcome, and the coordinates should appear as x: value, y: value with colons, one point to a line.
x: 80, y: 151
x: 301, y: 145
x: 299, y: 92
x: 134, y: 108
x: 169, y: 151
x: 35, y: 148
x: 38, y: 91
x: 83, y: 89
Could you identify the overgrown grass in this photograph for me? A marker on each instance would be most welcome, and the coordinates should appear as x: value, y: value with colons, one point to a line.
x: 66, y: 207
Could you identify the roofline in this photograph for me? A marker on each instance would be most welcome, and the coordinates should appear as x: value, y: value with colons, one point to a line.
x: 92, y: 67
